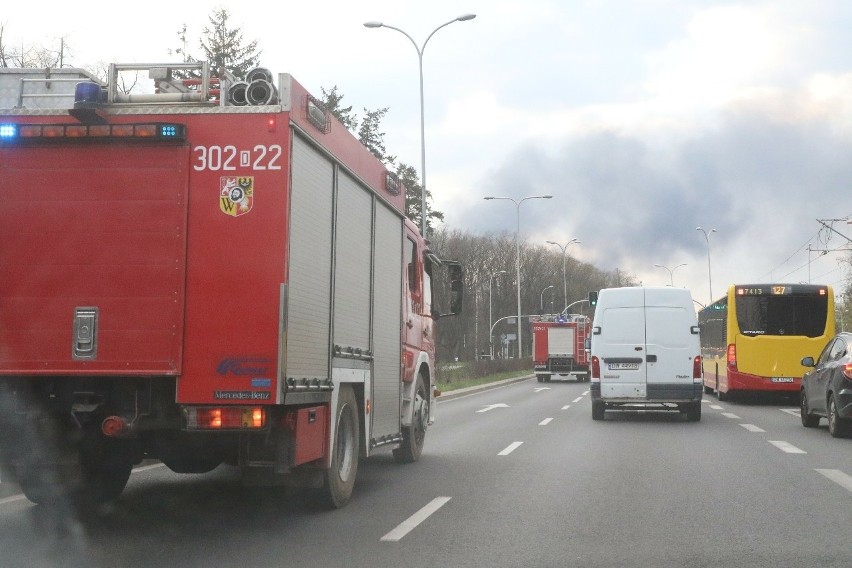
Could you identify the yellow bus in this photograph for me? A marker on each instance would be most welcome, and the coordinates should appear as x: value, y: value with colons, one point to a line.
x: 753, y: 339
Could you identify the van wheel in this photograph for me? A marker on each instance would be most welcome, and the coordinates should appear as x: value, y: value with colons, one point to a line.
x: 693, y: 412
x: 340, y: 477
x: 808, y: 419
x: 598, y: 410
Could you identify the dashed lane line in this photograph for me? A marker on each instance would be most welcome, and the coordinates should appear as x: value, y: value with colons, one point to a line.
x: 545, y: 422
x: 752, y: 428
x: 510, y: 448
x: 730, y: 415
x: 838, y: 477
x: 578, y: 399
x: 787, y: 447
x: 414, y: 520
x: 566, y: 407
x: 716, y: 407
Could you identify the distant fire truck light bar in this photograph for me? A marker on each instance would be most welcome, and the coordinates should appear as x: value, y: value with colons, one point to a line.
x: 225, y: 418
x: 42, y: 133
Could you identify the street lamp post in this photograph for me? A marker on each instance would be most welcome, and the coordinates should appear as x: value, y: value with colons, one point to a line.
x: 462, y: 18
x: 671, y: 271
x: 709, y: 273
x: 564, y: 278
x: 518, y: 252
x: 490, y: 317
x: 541, y: 298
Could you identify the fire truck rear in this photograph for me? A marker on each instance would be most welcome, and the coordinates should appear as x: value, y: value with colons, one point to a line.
x: 213, y: 271
x: 559, y: 347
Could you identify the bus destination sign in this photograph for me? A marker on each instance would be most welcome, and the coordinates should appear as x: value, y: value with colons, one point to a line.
x: 780, y: 290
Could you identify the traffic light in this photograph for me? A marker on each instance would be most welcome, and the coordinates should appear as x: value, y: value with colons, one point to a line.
x: 593, y: 298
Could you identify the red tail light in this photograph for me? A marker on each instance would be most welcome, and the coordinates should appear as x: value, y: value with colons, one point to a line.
x: 847, y: 370
x: 596, y: 368
x: 696, y: 367
x: 732, y: 356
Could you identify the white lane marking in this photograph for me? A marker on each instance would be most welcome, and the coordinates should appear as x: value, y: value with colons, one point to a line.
x: 838, y: 477
x: 414, y: 520
x: 510, y: 448
x: 12, y: 499
x: 730, y: 415
x: 716, y: 407
x: 147, y: 467
x: 586, y: 393
x: 545, y: 422
x: 566, y: 407
x: 539, y: 389
x: 705, y: 401
x: 578, y: 399
x: 752, y: 428
x: 493, y: 406
x: 21, y: 497
x: 793, y: 411
x: 787, y: 447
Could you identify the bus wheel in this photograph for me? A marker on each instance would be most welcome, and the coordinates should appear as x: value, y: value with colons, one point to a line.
x: 340, y: 477
x: 808, y: 419
x: 837, y: 427
x: 414, y: 436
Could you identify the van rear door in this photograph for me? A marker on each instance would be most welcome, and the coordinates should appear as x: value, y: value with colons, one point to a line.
x: 622, y: 344
x: 671, y: 347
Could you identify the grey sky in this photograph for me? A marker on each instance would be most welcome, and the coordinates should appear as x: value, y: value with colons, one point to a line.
x: 644, y: 118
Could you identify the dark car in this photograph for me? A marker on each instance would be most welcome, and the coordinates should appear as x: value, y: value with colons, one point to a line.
x: 827, y: 388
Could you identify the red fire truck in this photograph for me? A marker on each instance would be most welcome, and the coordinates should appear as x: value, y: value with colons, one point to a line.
x: 559, y: 347
x: 210, y: 271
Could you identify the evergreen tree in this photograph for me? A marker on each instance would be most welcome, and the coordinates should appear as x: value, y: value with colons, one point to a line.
x: 332, y: 101
x: 221, y: 45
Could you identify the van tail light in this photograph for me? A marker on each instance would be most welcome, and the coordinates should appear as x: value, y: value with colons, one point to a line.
x: 732, y: 356
x: 696, y: 367
x: 596, y: 368
x: 847, y: 370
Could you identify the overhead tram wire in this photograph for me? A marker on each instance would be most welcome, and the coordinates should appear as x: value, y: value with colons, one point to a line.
x: 798, y: 250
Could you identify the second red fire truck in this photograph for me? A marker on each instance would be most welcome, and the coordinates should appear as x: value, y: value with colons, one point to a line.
x: 559, y: 347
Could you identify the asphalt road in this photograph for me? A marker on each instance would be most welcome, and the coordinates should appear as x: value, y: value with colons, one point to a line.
x: 514, y: 476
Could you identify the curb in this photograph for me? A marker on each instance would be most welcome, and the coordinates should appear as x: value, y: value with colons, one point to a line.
x: 457, y: 393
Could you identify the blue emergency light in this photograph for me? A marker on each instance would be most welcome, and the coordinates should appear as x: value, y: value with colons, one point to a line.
x: 8, y: 131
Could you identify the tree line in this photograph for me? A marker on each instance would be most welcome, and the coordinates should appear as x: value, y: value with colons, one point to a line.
x: 489, y: 259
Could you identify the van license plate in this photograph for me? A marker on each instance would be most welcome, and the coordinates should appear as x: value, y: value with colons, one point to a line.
x: 623, y: 366
x: 781, y: 380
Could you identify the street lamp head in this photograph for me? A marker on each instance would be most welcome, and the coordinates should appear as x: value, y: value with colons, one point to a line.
x: 488, y: 198
x: 547, y: 197
x: 466, y: 17
x: 373, y: 24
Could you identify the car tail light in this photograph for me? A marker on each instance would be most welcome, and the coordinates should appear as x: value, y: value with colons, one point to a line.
x: 696, y: 367
x: 596, y: 368
x: 732, y: 356
x: 847, y: 370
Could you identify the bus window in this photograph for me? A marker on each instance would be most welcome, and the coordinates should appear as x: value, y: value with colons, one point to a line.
x: 782, y: 315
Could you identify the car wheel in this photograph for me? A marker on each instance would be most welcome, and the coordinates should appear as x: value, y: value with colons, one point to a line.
x: 808, y: 419
x: 837, y: 427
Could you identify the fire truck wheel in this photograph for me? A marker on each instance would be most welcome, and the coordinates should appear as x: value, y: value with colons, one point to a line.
x: 413, y: 437
x: 104, y: 482
x: 340, y: 477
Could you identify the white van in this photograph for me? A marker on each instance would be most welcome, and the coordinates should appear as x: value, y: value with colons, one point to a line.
x: 646, y: 351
